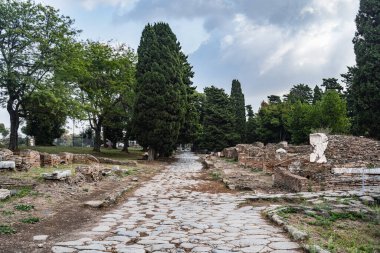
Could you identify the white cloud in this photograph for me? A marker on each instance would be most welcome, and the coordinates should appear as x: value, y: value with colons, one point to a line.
x: 124, y: 5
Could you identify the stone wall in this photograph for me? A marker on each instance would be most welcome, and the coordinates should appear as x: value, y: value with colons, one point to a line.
x: 285, y: 179
x: 352, y: 151
x: 292, y: 167
x: 27, y: 159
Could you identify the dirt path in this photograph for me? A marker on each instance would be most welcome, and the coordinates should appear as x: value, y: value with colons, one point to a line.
x: 165, y: 216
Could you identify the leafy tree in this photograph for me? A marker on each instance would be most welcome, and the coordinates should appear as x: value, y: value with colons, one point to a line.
x: 251, y: 126
x: 105, y: 77
x: 238, y: 107
x: 46, y: 116
x: 317, y: 94
x: 274, y: 99
x: 160, y: 104
x: 332, y: 84
x: 33, y: 41
x: 331, y: 112
x: 218, y: 121
x: 300, y: 92
x: 365, y: 89
x: 299, y: 122
x: 271, y: 120
x: 3, y: 131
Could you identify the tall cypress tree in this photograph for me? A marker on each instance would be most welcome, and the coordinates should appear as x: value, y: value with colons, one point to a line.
x: 317, y: 94
x: 366, y: 82
x: 238, y: 107
x: 218, y: 121
x: 160, y: 94
x: 251, y: 126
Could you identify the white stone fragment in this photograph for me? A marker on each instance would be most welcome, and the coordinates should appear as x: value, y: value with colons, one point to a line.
x: 40, y: 237
x: 57, y: 175
x: 4, y: 193
x: 7, y: 165
x: 319, y: 141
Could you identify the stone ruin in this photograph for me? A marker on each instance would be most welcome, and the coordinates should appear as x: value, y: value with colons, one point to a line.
x: 27, y: 159
x: 333, y: 162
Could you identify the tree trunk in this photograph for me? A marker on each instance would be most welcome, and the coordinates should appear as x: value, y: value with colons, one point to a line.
x: 15, y: 123
x: 98, y: 138
x: 151, y: 154
x: 126, y: 145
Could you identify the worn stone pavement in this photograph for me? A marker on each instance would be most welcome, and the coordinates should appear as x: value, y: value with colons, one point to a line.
x: 163, y: 216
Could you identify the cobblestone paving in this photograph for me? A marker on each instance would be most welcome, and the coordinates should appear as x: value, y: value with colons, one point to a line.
x: 164, y: 217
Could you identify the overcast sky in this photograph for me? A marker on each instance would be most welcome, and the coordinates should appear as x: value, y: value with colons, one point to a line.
x: 268, y: 45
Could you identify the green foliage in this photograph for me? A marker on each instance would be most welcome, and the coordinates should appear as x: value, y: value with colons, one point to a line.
x: 46, y: 112
x: 216, y: 176
x: 238, y: 109
x: 317, y: 95
x: 218, y: 121
x: 331, y: 112
x: 271, y: 120
x: 6, y: 230
x: 251, y: 126
x: 30, y: 220
x: 300, y: 92
x: 105, y: 77
x: 3, y: 131
x: 24, y: 207
x: 365, y: 89
x: 274, y: 99
x: 331, y: 84
x: 8, y: 212
x: 161, y: 92
x: 300, y: 122
x: 33, y: 42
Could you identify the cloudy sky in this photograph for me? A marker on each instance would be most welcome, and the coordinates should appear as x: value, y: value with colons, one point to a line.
x: 268, y: 45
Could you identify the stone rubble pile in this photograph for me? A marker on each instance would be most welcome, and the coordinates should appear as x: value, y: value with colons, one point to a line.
x: 313, y: 167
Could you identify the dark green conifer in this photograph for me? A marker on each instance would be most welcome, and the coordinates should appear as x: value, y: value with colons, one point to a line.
x: 238, y: 108
x: 160, y: 94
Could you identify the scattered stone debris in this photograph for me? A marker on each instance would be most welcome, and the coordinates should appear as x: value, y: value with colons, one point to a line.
x: 40, y: 237
x: 57, y: 175
x: 91, y: 173
x: 4, y: 193
x: 94, y: 203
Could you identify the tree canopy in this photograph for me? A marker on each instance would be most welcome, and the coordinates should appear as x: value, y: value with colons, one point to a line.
x: 365, y: 89
x: 238, y: 107
x: 160, y: 103
x: 33, y: 40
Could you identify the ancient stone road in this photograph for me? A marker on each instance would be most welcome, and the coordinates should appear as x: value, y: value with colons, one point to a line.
x: 164, y: 217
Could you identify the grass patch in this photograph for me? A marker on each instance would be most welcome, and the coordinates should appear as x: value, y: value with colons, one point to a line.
x: 216, y: 176
x: 230, y: 160
x: 337, y: 231
x: 6, y: 230
x: 7, y: 212
x: 256, y: 170
x: 30, y: 220
x: 23, y: 207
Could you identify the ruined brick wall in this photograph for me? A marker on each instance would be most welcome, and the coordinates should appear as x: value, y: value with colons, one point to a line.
x: 352, y: 151
x: 285, y: 179
x: 49, y: 160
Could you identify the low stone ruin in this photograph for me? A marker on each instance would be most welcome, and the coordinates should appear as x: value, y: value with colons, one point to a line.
x: 57, y: 175
x: 330, y: 162
x: 27, y: 159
